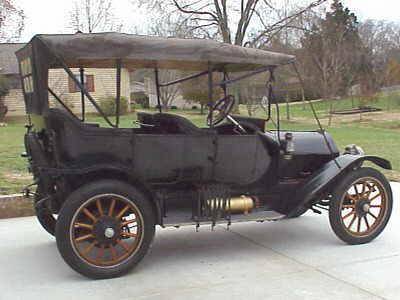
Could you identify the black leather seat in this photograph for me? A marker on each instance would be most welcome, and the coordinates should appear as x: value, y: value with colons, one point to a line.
x: 169, y: 124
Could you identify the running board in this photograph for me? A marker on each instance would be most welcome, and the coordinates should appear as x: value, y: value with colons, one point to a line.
x: 259, y: 216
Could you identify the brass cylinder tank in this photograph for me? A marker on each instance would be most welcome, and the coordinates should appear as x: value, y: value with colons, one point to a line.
x: 238, y: 205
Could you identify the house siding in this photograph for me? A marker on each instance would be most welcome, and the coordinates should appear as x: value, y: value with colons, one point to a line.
x: 104, y: 85
x: 179, y: 101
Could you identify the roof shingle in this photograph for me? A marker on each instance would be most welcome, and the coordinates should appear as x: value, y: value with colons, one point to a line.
x: 8, y: 60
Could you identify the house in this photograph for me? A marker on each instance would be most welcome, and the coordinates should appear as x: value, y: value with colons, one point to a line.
x: 9, y: 68
x: 174, y: 92
x: 101, y: 83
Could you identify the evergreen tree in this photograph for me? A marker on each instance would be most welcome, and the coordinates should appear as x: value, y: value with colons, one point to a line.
x: 334, y: 47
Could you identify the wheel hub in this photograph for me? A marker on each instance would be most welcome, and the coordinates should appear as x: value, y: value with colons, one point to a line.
x: 106, y: 230
x: 109, y: 232
x: 366, y: 207
x: 362, y: 207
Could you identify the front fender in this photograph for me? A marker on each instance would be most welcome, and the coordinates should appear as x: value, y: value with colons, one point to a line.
x: 326, y: 176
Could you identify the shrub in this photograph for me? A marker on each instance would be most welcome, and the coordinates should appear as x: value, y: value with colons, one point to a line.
x: 4, y: 89
x: 174, y: 107
x: 140, y: 98
x: 109, y: 105
x: 194, y: 107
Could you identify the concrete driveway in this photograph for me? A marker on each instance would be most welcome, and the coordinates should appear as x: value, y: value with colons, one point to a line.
x: 291, y: 259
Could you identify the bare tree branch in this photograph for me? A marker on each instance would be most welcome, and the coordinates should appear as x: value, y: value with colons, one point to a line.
x: 195, y: 12
x: 285, y: 21
x: 93, y: 15
x: 231, y: 21
x: 12, y: 21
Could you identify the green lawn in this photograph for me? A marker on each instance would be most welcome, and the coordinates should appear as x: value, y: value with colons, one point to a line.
x: 377, y: 133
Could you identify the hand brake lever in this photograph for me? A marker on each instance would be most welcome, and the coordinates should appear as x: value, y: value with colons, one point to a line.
x: 143, y: 124
x: 236, y: 123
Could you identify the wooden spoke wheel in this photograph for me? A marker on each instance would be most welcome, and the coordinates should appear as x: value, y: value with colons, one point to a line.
x: 361, y: 206
x: 105, y: 228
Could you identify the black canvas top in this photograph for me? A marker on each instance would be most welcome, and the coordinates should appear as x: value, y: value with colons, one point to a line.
x: 106, y: 50
x: 138, y: 51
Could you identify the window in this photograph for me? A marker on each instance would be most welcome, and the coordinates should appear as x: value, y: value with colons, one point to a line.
x: 26, y: 72
x: 88, y: 83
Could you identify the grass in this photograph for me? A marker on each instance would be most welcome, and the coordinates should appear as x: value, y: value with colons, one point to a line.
x: 377, y: 133
x: 13, y: 168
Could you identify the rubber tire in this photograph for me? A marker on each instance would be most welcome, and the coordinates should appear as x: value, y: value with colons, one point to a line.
x: 334, y: 208
x: 46, y: 219
x: 44, y: 214
x: 75, y: 200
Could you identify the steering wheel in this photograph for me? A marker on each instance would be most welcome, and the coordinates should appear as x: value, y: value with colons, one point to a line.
x: 220, y: 110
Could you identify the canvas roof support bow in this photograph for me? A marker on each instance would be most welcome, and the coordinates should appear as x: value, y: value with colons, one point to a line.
x: 244, y: 76
x: 82, y: 78
x: 210, y: 93
x: 156, y: 75
x: 223, y: 85
x: 272, y: 99
x: 118, y: 92
x: 180, y: 80
x: 322, y: 130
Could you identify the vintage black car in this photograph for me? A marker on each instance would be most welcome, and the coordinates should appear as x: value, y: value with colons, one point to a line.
x: 101, y: 190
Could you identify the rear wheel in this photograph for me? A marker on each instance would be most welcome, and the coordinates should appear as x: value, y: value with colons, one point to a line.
x: 105, y: 228
x: 361, y: 206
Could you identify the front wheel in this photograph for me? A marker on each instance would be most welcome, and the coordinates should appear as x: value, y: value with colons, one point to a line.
x: 360, y: 206
x: 105, y: 228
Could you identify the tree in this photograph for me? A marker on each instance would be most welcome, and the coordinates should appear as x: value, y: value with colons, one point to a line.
x: 334, y: 49
x: 248, y: 22
x: 392, y: 74
x: 4, y: 88
x: 196, y: 90
x: 168, y: 93
x: 11, y: 21
x: 382, y: 38
x: 168, y: 27
x: 93, y: 16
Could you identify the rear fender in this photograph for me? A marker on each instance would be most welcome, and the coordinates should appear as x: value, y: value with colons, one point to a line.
x: 326, y: 177
x: 112, y: 171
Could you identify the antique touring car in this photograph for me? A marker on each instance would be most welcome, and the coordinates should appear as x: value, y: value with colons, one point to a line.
x: 102, y: 189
